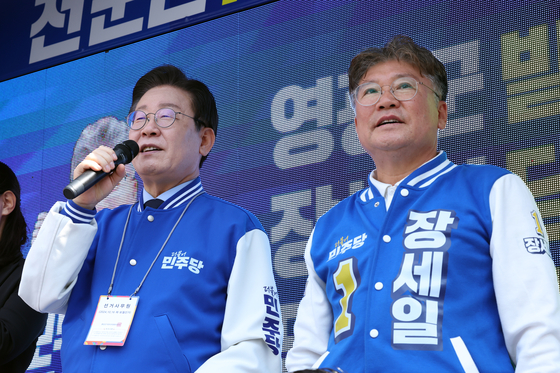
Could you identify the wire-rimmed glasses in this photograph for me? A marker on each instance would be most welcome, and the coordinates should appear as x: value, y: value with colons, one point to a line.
x: 403, y: 89
x: 164, y: 118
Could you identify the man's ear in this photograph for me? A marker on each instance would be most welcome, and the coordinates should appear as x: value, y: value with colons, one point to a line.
x: 208, y: 137
x: 442, y: 114
x: 8, y: 202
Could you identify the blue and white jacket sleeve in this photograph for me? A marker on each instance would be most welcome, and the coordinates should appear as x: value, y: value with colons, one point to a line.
x: 56, y: 257
x: 252, y: 331
x: 313, y: 323
x: 524, y: 278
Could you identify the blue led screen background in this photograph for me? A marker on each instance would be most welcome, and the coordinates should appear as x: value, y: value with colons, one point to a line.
x: 286, y: 148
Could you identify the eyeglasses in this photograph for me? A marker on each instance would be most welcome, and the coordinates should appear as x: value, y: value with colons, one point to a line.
x: 164, y: 118
x: 403, y: 89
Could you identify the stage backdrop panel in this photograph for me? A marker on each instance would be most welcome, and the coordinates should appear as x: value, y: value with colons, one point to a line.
x: 286, y: 147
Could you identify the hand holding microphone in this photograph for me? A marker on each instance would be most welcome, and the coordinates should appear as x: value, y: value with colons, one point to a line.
x: 96, y: 167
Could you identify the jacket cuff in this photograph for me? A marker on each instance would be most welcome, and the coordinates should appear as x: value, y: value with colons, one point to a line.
x: 78, y: 214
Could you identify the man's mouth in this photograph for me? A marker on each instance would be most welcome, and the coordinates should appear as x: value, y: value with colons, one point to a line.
x: 150, y: 149
x: 388, y: 121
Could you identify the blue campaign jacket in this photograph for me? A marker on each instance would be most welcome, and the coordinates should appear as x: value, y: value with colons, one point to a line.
x: 178, y: 322
x: 404, y: 282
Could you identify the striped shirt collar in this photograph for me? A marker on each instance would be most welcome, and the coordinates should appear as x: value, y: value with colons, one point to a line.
x: 174, y: 197
x: 420, y: 178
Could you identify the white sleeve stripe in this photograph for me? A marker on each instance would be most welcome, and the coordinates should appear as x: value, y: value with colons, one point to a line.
x: 78, y: 215
x: 78, y: 212
x: 320, y: 361
x: 464, y: 355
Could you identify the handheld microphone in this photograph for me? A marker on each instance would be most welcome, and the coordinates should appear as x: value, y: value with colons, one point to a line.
x: 126, y: 151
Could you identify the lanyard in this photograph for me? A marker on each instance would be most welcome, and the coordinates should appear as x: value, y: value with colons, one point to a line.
x: 155, y: 259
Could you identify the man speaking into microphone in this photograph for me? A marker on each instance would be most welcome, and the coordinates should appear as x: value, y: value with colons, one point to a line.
x: 181, y: 281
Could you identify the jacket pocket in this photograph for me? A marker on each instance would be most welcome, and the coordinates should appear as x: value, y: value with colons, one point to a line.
x: 171, y: 344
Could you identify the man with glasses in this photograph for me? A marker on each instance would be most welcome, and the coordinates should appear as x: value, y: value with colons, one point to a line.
x: 183, y: 285
x: 434, y: 267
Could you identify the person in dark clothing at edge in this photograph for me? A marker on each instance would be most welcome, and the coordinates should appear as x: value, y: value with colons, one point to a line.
x: 20, y: 326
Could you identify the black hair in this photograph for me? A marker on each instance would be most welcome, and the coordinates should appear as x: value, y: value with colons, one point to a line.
x: 14, y: 234
x: 204, y: 105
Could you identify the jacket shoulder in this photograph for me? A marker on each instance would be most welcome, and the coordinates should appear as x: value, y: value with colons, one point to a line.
x: 229, y: 210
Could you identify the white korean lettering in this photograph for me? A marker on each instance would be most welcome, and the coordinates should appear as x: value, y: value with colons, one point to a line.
x: 195, y: 265
x: 406, y: 277
x: 425, y: 239
x: 418, y: 289
x: 470, y: 80
x: 160, y: 16
x: 100, y: 34
x: 406, y: 309
x: 420, y: 221
x: 182, y: 261
x: 168, y: 262
x: 344, y: 244
x: 291, y: 220
x: 300, y: 98
x: 308, y: 104
x: 271, y: 324
x: 51, y: 16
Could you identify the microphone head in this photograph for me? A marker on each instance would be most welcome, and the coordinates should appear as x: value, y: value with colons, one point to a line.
x: 127, y: 150
x: 133, y: 147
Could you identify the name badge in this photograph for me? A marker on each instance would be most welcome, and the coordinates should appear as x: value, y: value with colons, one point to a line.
x: 112, y: 320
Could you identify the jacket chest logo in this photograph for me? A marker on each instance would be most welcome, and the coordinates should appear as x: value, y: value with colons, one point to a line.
x: 180, y: 260
x: 344, y: 244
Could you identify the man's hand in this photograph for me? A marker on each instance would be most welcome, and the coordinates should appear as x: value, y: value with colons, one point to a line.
x: 101, y: 158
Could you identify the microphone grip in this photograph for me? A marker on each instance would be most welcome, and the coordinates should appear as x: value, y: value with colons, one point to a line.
x: 82, y: 183
x: 89, y: 178
x: 125, y: 153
